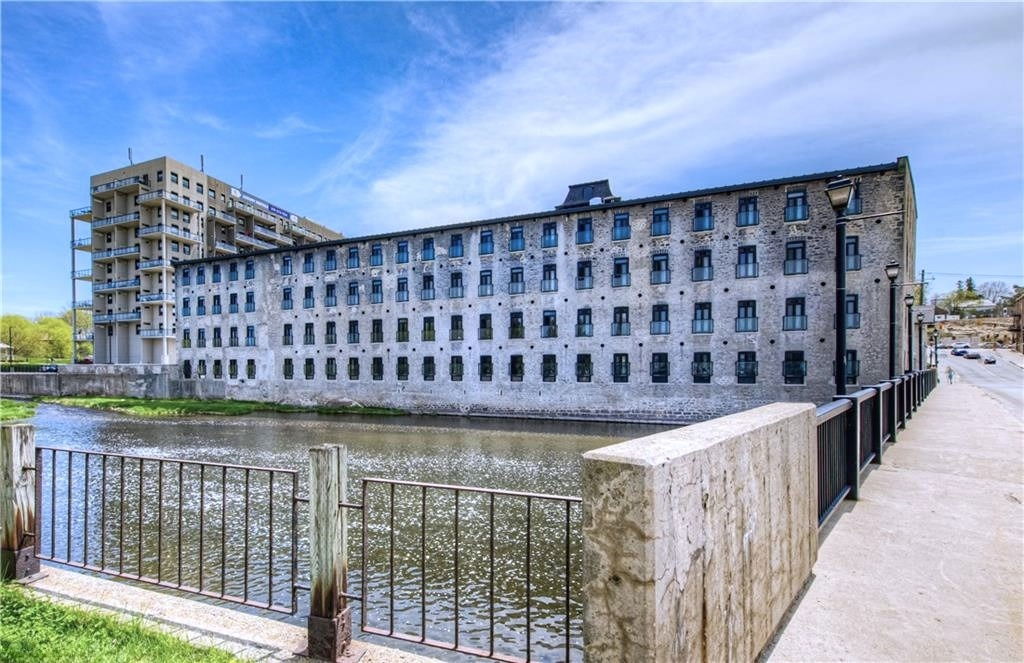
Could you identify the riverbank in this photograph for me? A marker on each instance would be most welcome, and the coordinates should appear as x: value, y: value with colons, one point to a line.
x: 11, y: 410
x: 181, y: 407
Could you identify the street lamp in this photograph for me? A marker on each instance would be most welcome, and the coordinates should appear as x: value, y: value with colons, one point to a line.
x: 839, y: 192
x: 892, y: 270
x: 908, y: 299
x: 920, y: 342
x: 935, y: 347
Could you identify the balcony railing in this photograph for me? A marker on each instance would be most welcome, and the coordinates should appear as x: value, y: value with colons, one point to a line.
x: 118, y: 317
x: 485, y: 290
x: 853, y: 320
x: 584, y: 282
x: 116, y: 285
x: 746, y: 270
x: 620, y: 280
x: 456, y: 292
x: 156, y: 297
x: 660, y: 326
x: 85, y: 242
x: 516, y: 287
x: 746, y: 218
x: 81, y: 213
x: 549, y: 285
x: 701, y: 223
x: 243, y: 238
x: 795, y: 266
x: 82, y: 303
x: 661, y: 276
x: 156, y: 333
x: 796, y: 212
x: 401, y: 295
x: 746, y: 324
x: 225, y: 246
x: 155, y: 263
x: 853, y: 263
x: 263, y: 231
x: 161, y: 228
x: 702, y: 273
x: 584, y: 329
x: 703, y: 326
x: 82, y: 273
x: 84, y: 336
x: 427, y: 294
x: 114, y: 220
x: 113, y: 253
x: 620, y: 329
x: 794, y: 323
x: 486, y: 333
x: 120, y: 184
x: 549, y: 331
x: 160, y: 194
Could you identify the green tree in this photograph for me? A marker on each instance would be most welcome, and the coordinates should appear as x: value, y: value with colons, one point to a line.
x: 55, y: 337
x: 969, y: 286
x: 84, y: 320
x: 21, y: 334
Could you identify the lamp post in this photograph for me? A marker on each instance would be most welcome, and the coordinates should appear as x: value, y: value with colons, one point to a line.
x: 892, y: 270
x: 908, y: 299
x: 935, y: 348
x: 839, y: 192
x: 920, y: 341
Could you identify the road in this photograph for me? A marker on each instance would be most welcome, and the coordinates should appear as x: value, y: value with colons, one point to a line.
x: 1003, y: 380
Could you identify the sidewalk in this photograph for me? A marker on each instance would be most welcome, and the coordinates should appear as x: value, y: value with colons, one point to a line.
x: 928, y: 564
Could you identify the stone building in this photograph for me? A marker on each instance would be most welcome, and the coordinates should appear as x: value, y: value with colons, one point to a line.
x: 667, y: 308
x: 142, y: 219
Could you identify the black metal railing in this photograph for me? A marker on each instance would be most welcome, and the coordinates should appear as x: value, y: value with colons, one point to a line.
x: 222, y: 531
x: 833, y: 482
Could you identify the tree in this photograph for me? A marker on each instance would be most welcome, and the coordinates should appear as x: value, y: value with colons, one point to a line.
x: 55, y: 337
x: 22, y: 335
x: 994, y: 290
x: 84, y: 320
x: 969, y: 285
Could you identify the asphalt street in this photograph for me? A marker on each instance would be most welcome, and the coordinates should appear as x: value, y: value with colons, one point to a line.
x: 1003, y: 380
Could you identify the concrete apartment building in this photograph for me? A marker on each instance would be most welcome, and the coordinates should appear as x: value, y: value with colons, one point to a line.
x: 144, y: 218
x: 672, y: 307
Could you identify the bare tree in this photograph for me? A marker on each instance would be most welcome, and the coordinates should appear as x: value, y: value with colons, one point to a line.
x: 994, y: 290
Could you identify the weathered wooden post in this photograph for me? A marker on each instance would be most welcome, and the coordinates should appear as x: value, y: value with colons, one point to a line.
x: 17, y: 501
x: 329, y: 629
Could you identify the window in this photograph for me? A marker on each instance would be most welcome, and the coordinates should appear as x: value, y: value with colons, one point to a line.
x: 199, y: 187
x: 216, y: 273
x: 746, y: 368
x: 309, y: 369
x: 402, y: 290
x: 702, y: 269
x: 620, y: 367
x: 352, y: 297
x: 549, y: 236
x: 659, y: 367
x: 353, y: 331
x: 620, y: 272
x: 584, y: 231
x: 286, y: 266
x: 455, y: 368
x: 455, y: 330
x: 307, y: 263
x: 746, y: 215
x: 233, y: 337
x: 796, y: 205
x: 159, y: 176
x: 286, y: 337
x: 233, y: 302
x: 376, y: 255
x: 660, y: 273
x: 620, y: 226
x: 516, y: 284
x: 427, y: 293
x: 620, y: 321
x: 486, y: 331
x: 852, y: 367
x: 330, y: 332
x: 186, y: 276
x: 186, y: 338
x: 352, y: 262
x: 429, y: 369
x: 515, y: 324
x: 549, y: 325
x: 516, y: 241
x: 515, y: 368
x: 584, y: 322
x: 549, y: 368
x: 233, y: 271
x: 486, y: 287
x: 308, y: 336
x: 201, y: 306
x: 794, y: 368
x: 331, y: 368
x: 250, y: 269
x: 289, y: 369
x: 376, y: 291
x: 330, y: 294
x: 428, y: 249
x: 660, y: 224
x: 308, y: 300
x: 250, y: 369
x: 200, y: 275
x: 852, y: 312
x: 584, y: 368
x: 549, y: 279
x: 854, y: 206
x: 703, y: 217
x: 584, y: 275
x: 218, y: 371
x: 174, y: 178
x: 185, y: 182
x: 701, y: 369
x: 215, y: 309
x: 201, y: 368
x: 659, y: 319
x: 331, y: 260
x: 286, y: 299
x: 852, y: 253
x: 428, y: 333
x: 746, y: 262
x: 455, y: 246
x: 377, y: 368
x: 455, y: 289
x: 795, y: 318
x: 486, y: 368
x: 402, y: 368
x: 402, y: 252
x: 486, y: 242
x: 402, y: 330
x: 796, y: 258
x: 233, y: 369
x: 746, y: 315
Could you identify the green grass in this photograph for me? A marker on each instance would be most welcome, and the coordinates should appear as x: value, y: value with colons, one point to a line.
x: 178, y: 407
x: 36, y: 630
x: 13, y: 410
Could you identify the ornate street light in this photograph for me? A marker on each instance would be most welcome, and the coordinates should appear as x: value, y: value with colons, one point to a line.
x: 920, y: 341
x: 839, y: 192
x: 908, y: 299
x: 892, y: 270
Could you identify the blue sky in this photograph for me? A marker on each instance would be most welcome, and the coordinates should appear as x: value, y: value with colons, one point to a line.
x: 372, y: 117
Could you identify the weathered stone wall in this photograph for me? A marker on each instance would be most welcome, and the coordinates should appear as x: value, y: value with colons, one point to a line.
x: 696, y: 540
x: 138, y: 381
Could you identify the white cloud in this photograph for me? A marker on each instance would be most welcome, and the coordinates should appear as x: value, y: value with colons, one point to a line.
x: 290, y: 125
x: 649, y: 94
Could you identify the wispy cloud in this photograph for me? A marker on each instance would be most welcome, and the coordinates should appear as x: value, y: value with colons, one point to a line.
x: 289, y: 125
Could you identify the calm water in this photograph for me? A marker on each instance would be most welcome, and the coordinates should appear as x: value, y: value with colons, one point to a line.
x: 533, y: 456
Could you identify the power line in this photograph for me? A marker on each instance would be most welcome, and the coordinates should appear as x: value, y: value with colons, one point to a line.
x: 988, y: 276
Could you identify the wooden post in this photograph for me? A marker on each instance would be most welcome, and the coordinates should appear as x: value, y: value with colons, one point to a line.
x: 17, y: 501
x: 329, y: 629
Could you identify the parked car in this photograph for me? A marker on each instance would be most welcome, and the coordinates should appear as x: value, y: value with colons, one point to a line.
x: 48, y: 368
x: 958, y: 352
x: 990, y: 359
x: 972, y: 354
x: 961, y: 345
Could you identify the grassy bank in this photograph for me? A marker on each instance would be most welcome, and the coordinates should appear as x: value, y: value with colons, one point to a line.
x: 32, y: 629
x: 14, y: 410
x: 178, y: 407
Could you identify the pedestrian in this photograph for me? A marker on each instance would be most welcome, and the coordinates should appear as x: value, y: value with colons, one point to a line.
x: 949, y: 374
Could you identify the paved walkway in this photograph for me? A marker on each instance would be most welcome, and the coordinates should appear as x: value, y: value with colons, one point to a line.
x: 927, y: 566
x: 247, y: 636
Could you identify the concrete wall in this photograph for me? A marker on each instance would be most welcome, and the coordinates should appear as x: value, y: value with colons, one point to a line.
x: 697, y: 540
x: 147, y: 381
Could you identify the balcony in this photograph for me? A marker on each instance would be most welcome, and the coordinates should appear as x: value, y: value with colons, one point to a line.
x: 83, y: 274
x: 701, y: 223
x: 84, y: 244
x: 661, y: 276
x: 81, y: 214
x: 82, y: 303
x: 156, y: 333
x: 352, y: 300
x: 225, y: 247
x: 456, y: 292
x: 794, y: 372
x: 517, y: 287
x: 659, y: 327
x: 746, y: 270
x: 161, y: 228
x: 485, y: 290
x: 130, y: 217
x: 549, y: 331
x: 249, y: 240
x: 584, y: 282
x: 427, y: 294
x: 486, y: 333
x: 105, y: 254
x: 703, y: 326
x: 296, y: 229
x: 852, y: 263
x: 746, y: 324
x: 797, y: 212
x: 794, y: 323
x: 83, y: 336
x: 746, y: 218
x: 620, y: 329
x: 156, y: 297
x: 268, y: 233
x: 120, y: 185
x: 853, y: 320
x: 702, y: 273
x: 222, y: 217
x: 795, y: 266
x: 517, y: 244
x: 584, y: 236
x: 126, y: 316
x: 584, y: 329
x: 549, y: 285
x: 402, y: 296
x: 153, y: 198
x: 620, y: 280
x: 124, y: 284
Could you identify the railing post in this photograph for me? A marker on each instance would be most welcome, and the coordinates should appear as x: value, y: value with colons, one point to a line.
x: 329, y: 629
x: 879, y: 429
x: 851, y: 435
x: 910, y: 396
x: 17, y: 501
x: 894, y: 411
